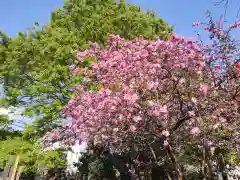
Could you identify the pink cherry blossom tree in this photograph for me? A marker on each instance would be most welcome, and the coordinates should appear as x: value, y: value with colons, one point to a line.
x: 155, y: 98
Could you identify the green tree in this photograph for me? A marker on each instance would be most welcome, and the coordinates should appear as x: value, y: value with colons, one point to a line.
x: 34, y: 65
x: 31, y: 155
x: 5, y: 130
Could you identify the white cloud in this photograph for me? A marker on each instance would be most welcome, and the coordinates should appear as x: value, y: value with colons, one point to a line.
x: 4, y: 111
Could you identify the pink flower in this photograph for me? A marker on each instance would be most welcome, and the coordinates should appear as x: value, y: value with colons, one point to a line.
x: 194, y: 100
x: 76, y: 72
x: 132, y: 128
x: 197, y: 47
x: 151, y: 85
x: 70, y: 142
x: 165, y: 133
x: 150, y: 103
x: 160, y: 111
x: 79, y: 88
x: 202, y: 63
x: 204, y: 89
x: 137, y: 118
x: 150, y: 47
x: 131, y: 98
x: 163, y: 110
x: 86, y: 80
x: 93, y: 45
x: 144, y: 54
x: 206, y: 28
x: 115, y: 130
x: 195, y: 131
x: 196, y: 24
x: 235, y: 25
x: 71, y: 101
x: 156, y: 113
x: 165, y: 143
x: 115, y: 121
x: 199, y: 73
x: 82, y: 54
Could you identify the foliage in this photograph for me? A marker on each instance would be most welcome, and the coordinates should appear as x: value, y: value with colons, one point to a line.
x: 34, y: 64
x: 5, y: 129
x: 30, y: 154
x: 5, y: 133
x: 232, y: 158
x: 4, y: 121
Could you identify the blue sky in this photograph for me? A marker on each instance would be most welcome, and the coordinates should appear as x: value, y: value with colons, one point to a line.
x: 18, y: 15
x: 182, y: 13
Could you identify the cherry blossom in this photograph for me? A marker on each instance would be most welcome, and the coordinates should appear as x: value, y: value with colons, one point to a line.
x: 165, y: 133
x: 147, y: 87
x: 195, y: 131
x: 204, y: 89
x: 196, y: 24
